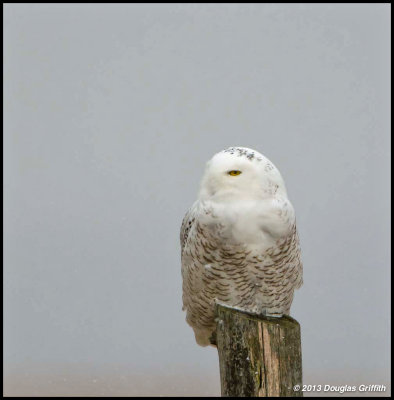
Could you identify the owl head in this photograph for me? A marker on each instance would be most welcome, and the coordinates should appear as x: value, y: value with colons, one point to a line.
x: 240, y: 172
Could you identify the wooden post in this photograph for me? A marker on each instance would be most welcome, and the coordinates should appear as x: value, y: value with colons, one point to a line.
x: 258, y: 356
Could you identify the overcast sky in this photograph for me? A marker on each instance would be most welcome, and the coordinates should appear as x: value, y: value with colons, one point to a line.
x: 110, y: 113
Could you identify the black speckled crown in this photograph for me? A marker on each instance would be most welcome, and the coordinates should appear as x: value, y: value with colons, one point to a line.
x: 242, y: 152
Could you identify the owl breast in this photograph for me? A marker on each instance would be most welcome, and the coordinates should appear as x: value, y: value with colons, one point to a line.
x: 230, y: 257
x: 257, y: 224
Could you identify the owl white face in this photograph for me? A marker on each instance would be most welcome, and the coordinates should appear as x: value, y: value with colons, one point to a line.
x: 239, y: 172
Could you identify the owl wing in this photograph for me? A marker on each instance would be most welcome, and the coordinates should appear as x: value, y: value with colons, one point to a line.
x: 187, y: 224
x: 281, y: 272
x: 298, y: 267
x: 191, y: 276
x: 288, y: 250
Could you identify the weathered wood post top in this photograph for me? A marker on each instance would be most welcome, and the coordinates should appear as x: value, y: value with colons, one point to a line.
x: 258, y: 356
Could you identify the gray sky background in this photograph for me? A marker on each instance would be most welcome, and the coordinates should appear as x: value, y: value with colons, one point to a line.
x: 110, y: 113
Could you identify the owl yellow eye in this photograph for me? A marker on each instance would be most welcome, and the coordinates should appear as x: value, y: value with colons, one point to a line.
x: 234, y: 173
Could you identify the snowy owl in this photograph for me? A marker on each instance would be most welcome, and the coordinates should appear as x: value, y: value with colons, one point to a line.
x: 239, y: 243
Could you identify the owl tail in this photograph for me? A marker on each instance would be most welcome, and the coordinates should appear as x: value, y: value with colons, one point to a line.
x: 205, y: 337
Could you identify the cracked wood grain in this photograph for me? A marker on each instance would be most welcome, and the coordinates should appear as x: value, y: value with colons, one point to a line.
x: 258, y: 356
